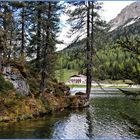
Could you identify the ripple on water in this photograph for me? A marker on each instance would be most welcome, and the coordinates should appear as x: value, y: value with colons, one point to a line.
x: 101, y: 120
x: 74, y: 127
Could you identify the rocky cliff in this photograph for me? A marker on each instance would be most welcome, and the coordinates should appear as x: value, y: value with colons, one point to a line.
x: 129, y: 15
x: 16, y: 106
x: 14, y: 73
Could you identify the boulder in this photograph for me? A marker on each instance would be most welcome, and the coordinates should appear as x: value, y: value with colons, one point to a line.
x: 61, y: 89
x: 78, y: 101
x: 13, y: 74
x: 80, y: 93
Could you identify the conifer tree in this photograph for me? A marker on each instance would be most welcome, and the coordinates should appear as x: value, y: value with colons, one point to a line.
x: 1, y: 49
x: 50, y: 28
x: 6, y: 22
x: 85, y: 20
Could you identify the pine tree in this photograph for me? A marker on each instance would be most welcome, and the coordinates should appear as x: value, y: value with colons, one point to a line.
x: 89, y: 54
x: 85, y: 18
x: 22, y: 25
x: 50, y: 27
x: 37, y: 10
x: 6, y: 21
x: 1, y: 49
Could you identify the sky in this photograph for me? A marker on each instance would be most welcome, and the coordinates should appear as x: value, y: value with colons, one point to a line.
x: 113, y: 8
x: 109, y: 11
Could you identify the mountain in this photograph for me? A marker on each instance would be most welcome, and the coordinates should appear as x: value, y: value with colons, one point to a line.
x: 126, y: 23
x: 128, y: 16
x: 110, y: 60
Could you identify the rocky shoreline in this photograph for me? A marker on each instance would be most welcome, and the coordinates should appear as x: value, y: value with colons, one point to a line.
x: 16, y: 108
x: 20, y: 98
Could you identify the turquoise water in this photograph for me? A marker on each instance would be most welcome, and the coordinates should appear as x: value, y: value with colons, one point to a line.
x: 101, y: 120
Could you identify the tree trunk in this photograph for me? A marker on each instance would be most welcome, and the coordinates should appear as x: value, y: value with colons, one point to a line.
x: 5, y: 32
x: 92, y: 38
x: 1, y: 60
x: 44, y: 75
x: 22, y: 31
x: 92, y: 25
x: 10, y: 51
x: 38, y: 34
x: 88, y: 51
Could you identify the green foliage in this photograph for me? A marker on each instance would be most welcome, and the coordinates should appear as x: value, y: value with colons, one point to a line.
x: 133, y: 29
x: 115, y: 61
x: 5, y: 86
x: 117, y: 64
x: 34, y: 86
x: 63, y: 75
x: 130, y: 44
x: 33, y: 78
x: 30, y: 32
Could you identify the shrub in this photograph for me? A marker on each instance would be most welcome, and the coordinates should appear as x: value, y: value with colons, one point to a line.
x: 5, y: 86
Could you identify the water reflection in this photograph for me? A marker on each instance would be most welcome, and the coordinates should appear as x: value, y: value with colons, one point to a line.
x: 101, y: 120
x: 74, y: 127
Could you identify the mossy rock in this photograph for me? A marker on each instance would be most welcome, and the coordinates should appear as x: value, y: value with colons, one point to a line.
x: 19, y: 66
x: 78, y: 101
x: 18, y: 109
x: 80, y: 93
x: 5, y: 119
x: 58, y: 89
x: 56, y: 102
x: 62, y: 89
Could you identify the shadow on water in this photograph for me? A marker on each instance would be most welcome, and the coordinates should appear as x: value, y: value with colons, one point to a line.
x: 39, y: 128
x: 101, y: 120
x: 133, y: 124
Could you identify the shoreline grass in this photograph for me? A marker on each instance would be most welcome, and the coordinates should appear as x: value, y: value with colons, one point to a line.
x: 84, y: 86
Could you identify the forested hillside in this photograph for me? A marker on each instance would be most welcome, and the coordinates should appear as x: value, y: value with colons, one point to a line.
x: 116, y: 52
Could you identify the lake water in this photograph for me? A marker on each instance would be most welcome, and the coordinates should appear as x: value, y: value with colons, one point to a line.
x: 101, y: 120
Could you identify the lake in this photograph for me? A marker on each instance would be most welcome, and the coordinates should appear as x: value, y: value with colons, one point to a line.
x: 101, y: 120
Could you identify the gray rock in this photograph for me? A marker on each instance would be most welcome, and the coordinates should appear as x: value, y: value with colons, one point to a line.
x: 130, y: 12
x: 16, y: 78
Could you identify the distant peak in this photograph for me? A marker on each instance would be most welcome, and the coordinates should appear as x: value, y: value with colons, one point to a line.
x: 131, y: 11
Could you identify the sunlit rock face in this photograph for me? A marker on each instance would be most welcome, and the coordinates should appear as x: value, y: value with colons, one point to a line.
x: 13, y: 74
x: 129, y: 15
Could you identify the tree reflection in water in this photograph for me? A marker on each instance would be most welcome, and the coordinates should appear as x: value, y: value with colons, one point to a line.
x: 101, y: 120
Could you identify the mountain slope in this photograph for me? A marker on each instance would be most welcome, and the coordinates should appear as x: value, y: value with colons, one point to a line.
x: 129, y: 15
x: 126, y: 23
